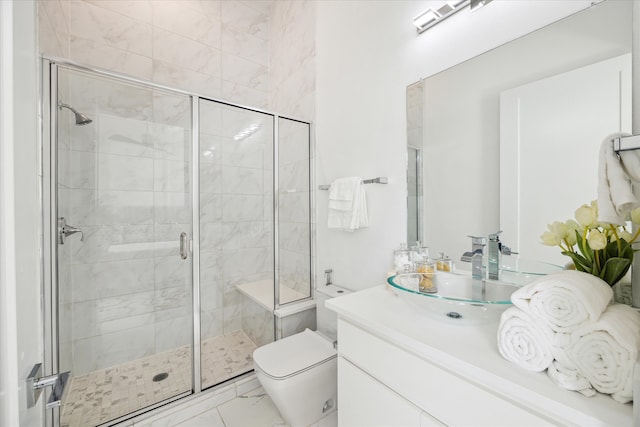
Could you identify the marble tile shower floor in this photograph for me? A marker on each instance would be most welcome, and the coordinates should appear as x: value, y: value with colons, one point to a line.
x: 107, y: 394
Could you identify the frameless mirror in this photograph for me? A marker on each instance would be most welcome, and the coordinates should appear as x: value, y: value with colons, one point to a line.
x: 484, y: 169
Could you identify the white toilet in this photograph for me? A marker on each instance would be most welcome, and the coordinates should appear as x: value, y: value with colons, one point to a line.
x: 300, y: 372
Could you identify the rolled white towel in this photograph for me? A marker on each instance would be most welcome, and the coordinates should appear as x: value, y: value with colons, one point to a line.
x: 523, y: 341
x: 605, y: 352
x: 569, y: 378
x: 564, y: 300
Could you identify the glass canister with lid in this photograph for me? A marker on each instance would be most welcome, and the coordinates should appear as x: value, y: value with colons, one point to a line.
x: 402, y: 259
x: 419, y: 253
x: 426, y: 270
x: 444, y: 263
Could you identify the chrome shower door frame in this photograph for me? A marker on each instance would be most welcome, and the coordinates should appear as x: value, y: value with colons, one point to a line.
x: 49, y: 194
x: 49, y: 208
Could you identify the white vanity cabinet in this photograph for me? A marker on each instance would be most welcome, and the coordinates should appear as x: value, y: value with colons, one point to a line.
x: 400, y: 367
x: 401, y: 386
x: 364, y: 401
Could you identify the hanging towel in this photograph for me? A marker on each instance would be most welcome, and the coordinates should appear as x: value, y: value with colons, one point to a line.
x: 564, y: 300
x: 347, y: 204
x: 523, y: 341
x: 615, y: 174
x: 605, y: 352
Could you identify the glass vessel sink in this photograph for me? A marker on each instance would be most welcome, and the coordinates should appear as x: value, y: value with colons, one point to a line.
x: 458, y: 298
x: 518, y: 271
x: 528, y: 267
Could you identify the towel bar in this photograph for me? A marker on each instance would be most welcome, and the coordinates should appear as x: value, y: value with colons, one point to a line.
x: 379, y: 180
x: 626, y: 143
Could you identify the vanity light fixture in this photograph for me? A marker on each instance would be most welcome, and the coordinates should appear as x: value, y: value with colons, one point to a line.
x: 424, y: 19
x: 477, y: 4
x: 431, y: 17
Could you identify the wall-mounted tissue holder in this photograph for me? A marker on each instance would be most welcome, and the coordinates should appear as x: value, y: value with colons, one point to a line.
x: 379, y: 180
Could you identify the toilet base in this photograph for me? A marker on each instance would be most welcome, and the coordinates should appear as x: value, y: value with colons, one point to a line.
x: 307, y: 393
x: 305, y: 398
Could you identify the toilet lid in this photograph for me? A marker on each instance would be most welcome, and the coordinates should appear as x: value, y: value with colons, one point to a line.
x: 293, y: 354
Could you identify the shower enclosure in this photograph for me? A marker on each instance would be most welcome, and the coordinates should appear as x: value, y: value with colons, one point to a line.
x: 175, y: 225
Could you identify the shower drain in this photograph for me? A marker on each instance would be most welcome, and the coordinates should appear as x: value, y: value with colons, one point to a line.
x: 160, y: 377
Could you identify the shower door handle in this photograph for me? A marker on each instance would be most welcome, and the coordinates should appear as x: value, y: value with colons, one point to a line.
x: 184, y: 245
x: 65, y: 230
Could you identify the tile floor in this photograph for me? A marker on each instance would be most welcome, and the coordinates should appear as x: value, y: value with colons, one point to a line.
x: 107, y: 394
x: 225, y: 357
x: 251, y: 408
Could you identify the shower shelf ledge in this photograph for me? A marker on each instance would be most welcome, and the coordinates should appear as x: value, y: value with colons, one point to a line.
x: 261, y: 292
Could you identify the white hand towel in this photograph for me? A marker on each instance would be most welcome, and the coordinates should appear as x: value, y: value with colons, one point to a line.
x: 569, y: 379
x: 564, y: 300
x: 342, y: 193
x: 363, y: 214
x: 347, y: 208
x: 615, y: 194
x: 605, y: 352
x: 523, y: 341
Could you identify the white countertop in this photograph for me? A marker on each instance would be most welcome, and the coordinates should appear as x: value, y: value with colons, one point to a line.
x: 471, y: 352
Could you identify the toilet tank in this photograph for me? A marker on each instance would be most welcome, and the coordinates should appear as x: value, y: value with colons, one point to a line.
x: 327, y: 319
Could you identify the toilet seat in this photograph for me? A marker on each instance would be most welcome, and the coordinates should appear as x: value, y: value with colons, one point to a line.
x: 293, y: 355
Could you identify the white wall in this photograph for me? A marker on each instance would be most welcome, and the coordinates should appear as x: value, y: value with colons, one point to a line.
x: 366, y: 55
x: 20, y: 281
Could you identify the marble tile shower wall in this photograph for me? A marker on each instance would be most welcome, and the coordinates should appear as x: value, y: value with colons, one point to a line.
x: 257, y: 322
x: 213, y: 47
x: 292, y: 84
x: 236, y: 221
x: 257, y: 53
x: 292, y: 58
x: 217, y: 48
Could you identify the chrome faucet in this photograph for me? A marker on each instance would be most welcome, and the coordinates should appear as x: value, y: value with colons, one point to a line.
x: 475, y: 256
x: 496, y: 249
x: 493, y: 256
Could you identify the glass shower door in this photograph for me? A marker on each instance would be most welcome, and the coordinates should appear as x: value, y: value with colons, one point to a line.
x: 124, y: 270
x: 294, y: 219
x: 236, y: 238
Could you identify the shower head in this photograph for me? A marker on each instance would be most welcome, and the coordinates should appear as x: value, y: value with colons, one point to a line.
x: 81, y: 119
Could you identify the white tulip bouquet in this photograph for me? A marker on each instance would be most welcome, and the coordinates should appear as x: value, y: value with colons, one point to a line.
x: 601, y: 249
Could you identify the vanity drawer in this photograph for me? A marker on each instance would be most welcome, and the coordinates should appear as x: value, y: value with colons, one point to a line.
x: 364, y: 401
x: 444, y: 395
